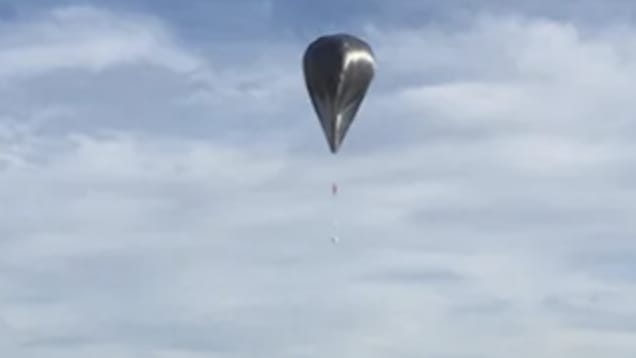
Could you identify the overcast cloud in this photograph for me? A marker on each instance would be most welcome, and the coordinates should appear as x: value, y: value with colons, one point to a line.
x: 164, y: 183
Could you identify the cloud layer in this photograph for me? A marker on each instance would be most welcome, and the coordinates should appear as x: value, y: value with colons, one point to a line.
x: 163, y: 198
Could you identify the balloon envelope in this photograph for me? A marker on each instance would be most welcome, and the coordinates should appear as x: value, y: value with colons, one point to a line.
x: 338, y: 71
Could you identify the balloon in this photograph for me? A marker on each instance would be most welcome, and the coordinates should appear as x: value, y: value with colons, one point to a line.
x: 338, y: 71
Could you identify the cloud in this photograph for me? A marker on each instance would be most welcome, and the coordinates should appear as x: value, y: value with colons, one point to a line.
x: 84, y: 38
x: 161, y: 199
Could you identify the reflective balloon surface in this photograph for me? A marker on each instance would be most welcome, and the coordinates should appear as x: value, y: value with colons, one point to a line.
x: 338, y: 71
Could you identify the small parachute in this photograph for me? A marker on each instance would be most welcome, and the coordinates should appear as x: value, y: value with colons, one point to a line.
x: 338, y: 71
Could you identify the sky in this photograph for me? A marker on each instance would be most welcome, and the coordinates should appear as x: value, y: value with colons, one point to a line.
x: 165, y: 184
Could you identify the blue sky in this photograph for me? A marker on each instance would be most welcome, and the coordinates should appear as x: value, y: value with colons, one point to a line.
x: 165, y: 185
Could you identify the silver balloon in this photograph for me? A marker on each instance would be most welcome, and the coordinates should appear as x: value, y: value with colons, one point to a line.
x: 338, y: 71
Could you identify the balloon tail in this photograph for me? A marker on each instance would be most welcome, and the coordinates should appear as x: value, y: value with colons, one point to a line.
x: 334, y: 194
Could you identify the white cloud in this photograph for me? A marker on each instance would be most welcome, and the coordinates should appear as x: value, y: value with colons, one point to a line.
x: 192, y: 216
x: 88, y: 39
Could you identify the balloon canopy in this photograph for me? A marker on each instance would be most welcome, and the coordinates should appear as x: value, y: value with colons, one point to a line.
x: 338, y: 71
